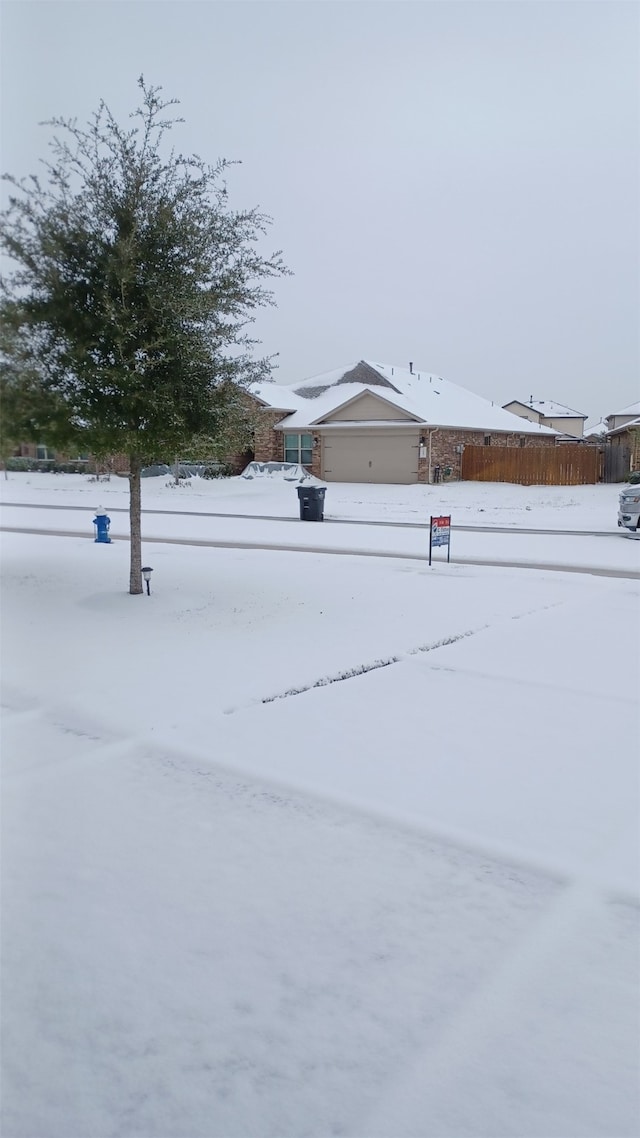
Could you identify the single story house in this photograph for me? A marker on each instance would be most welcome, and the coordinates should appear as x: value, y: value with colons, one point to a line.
x: 37, y: 451
x: 548, y: 413
x: 40, y: 453
x: 372, y: 422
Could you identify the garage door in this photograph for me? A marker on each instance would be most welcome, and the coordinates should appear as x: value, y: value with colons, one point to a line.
x: 370, y: 456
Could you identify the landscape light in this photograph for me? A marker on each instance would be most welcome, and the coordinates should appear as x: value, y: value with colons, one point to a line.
x: 146, y: 573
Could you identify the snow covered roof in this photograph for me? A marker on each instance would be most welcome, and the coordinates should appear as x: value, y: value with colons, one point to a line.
x: 550, y: 409
x: 595, y: 429
x: 625, y: 426
x: 275, y: 395
x: 632, y: 409
x: 314, y: 409
x: 428, y: 398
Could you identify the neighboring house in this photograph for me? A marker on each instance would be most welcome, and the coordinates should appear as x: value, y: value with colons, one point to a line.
x: 40, y: 453
x: 549, y: 414
x: 596, y: 432
x: 626, y: 438
x: 371, y: 422
x: 618, y: 436
x: 624, y: 417
x: 35, y: 451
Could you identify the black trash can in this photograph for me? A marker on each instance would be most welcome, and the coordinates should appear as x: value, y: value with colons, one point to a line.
x: 311, y: 500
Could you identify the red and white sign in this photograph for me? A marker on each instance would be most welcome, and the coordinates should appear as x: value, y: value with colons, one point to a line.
x: 440, y: 530
x: 440, y: 534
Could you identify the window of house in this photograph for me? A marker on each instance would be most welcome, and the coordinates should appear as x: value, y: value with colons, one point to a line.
x: 487, y: 440
x: 522, y: 440
x: 43, y: 452
x: 298, y: 448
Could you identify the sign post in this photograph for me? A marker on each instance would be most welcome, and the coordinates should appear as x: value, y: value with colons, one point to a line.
x: 440, y: 534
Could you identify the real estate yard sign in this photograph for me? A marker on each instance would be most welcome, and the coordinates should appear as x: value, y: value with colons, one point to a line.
x: 440, y: 534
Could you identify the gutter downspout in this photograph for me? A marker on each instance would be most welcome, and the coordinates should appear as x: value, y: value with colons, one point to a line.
x: 432, y: 431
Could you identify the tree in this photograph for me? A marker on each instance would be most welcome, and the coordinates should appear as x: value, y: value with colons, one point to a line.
x: 132, y: 288
x: 26, y: 411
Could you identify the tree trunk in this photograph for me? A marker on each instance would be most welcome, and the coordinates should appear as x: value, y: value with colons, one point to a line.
x: 135, y: 578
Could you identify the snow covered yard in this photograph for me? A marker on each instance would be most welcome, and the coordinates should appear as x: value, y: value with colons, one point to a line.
x: 264, y: 513
x: 306, y: 845
x: 470, y: 503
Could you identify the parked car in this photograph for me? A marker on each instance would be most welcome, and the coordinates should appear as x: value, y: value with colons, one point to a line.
x: 629, y: 504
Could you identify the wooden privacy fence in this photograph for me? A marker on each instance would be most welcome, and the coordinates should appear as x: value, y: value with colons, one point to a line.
x: 617, y: 462
x: 570, y: 465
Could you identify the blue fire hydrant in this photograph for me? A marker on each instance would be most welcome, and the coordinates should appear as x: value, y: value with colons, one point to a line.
x: 102, y: 523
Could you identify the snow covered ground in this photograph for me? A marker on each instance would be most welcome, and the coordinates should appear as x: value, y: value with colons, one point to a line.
x: 311, y: 845
x: 469, y: 503
x: 265, y: 513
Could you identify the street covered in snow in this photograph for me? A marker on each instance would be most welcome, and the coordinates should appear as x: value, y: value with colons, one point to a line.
x: 319, y: 845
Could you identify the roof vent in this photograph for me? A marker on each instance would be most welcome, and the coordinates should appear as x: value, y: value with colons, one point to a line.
x: 410, y: 369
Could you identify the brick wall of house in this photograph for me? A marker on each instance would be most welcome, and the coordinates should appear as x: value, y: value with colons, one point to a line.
x: 268, y: 443
x: 445, y: 444
x: 316, y: 464
x: 115, y: 463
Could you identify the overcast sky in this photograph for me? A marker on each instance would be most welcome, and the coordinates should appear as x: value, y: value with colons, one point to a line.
x: 455, y: 184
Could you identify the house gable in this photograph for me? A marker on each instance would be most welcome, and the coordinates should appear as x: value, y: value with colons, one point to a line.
x: 522, y: 410
x: 367, y: 407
